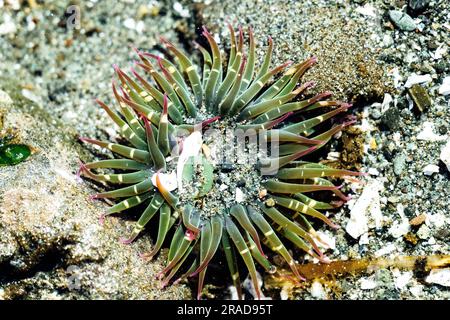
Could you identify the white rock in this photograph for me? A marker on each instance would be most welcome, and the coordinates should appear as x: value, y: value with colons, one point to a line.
x: 416, y: 78
x: 240, y: 196
x: 367, y: 10
x: 366, y: 211
x: 416, y: 290
x: 396, y: 77
x: 284, y: 293
x: 387, y: 100
x: 387, y: 41
x: 317, y: 290
x: 400, y: 228
x: 439, y: 276
x: 436, y: 220
x: 427, y: 133
x: 368, y: 283
x: 8, y: 25
x: 178, y: 7
x: 130, y: 23
x: 401, y: 278
x: 430, y: 169
x: 364, y: 239
x: 373, y: 172
x: 440, y: 52
x: 5, y: 99
x: 385, y: 250
x: 326, y: 240
x: 333, y: 155
x: 444, y: 89
x: 30, y: 95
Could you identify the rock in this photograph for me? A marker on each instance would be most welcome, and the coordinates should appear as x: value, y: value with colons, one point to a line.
x: 367, y: 10
x: 424, y: 232
x: 420, y: 96
x: 417, y: 79
x: 402, y: 20
x: 439, y: 276
x: 444, y: 89
x: 8, y: 26
x: 317, y: 291
x: 430, y: 169
x: 445, y: 155
x: 368, y: 283
x: 390, y: 120
x: 52, y: 244
x: 401, y: 279
x: 427, y: 133
x: 418, y: 220
x: 399, y: 163
x: 365, y: 212
x: 400, y: 227
x: 240, y: 195
x: 415, y: 7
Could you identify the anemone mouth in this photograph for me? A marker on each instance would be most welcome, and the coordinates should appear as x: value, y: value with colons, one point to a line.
x: 212, y: 153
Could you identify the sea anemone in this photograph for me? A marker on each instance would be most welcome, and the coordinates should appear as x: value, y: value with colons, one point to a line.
x: 181, y: 128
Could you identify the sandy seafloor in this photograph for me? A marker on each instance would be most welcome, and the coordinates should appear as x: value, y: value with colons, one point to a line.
x: 52, y: 246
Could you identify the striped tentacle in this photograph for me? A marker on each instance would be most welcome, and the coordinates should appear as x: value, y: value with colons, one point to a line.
x: 132, y: 153
x: 216, y: 72
x: 230, y: 256
x: 245, y: 97
x: 188, y: 68
x: 272, y: 239
x: 244, y: 251
x: 145, y: 217
x: 257, y: 109
x: 232, y: 72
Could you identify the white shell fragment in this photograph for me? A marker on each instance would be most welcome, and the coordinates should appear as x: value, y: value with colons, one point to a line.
x: 400, y: 228
x: 445, y: 155
x: 430, y: 169
x: 240, y: 196
x: 416, y: 79
x: 191, y: 147
x: 317, y: 291
x: 439, y: 276
x: 444, y: 89
x: 366, y: 211
x: 427, y: 133
x: 368, y: 283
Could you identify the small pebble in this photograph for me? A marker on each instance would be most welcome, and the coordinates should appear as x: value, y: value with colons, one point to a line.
x: 439, y: 276
x: 417, y: 221
x: 445, y: 155
x: 420, y: 96
x: 402, y: 20
x: 430, y: 169
x: 317, y: 291
x: 444, y: 89
x: 424, y: 232
x: 368, y: 284
x: 399, y: 164
x: 418, y: 6
x: 417, y: 79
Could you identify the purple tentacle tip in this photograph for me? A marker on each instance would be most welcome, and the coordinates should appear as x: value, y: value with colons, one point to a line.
x: 126, y: 241
x: 102, y: 218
